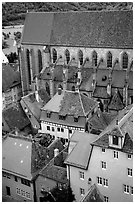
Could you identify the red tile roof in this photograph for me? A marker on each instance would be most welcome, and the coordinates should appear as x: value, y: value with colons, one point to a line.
x: 89, y: 29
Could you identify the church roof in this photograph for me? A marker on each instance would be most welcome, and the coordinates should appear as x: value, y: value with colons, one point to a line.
x: 112, y: 29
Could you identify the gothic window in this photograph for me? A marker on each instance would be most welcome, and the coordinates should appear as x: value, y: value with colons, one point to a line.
x: 47, y: 88
x: 54, y: 52
x: 40, y: 61
x: 125, y: 61
x: 28, y: 65
x: 67, y: 53
x: 94, y: 58
x: 80, y: 57
x: 109, y: 59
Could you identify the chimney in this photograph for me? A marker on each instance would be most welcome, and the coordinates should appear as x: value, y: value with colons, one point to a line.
x: 59, y: 91
x: 56, y: 152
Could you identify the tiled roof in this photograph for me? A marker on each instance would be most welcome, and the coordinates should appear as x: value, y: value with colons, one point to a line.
x: 100, y: 92
x: 87, y: 79
x: 15, y: 117
x: 83, y: 142
x: 70, y: 103
x: 93, y: 195
x: 55, y: 172
x: 89, y: 29
x: 116, y: 102
x: 9, y: 77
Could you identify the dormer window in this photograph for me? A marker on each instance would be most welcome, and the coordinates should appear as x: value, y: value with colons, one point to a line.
x: 62, y: 117
x: 115, y: 140
x: 75, y: 119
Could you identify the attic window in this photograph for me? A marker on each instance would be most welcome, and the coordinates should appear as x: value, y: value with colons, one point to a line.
x: 75, y: 119
x: 115, y: 140
x: 104, y: 78
x: 62, y: 117
x: 54, y: 52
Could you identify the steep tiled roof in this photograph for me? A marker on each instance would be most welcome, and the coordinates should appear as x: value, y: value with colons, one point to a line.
x: 9, y: 77
x: 86, y: 79
x: 93, y: 195
x: 91, y: 29
x: 116, y: 102
x: 15, y: 117
x: 100, y: 92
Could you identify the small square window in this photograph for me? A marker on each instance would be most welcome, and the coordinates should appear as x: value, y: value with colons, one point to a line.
x: 16, y: 178
x: 115, y: 154
x: 103, y: 149
x: 81, y: 175
x: 70, y: 131
x: 129, y: 172
x: 62, y: 130
x: 48, y: 127
x: 58, y: 129
x: 103, y: 164
x: 129, y: 156
x: 126, y: 188
x: 82, y: 191
x: 53, y: 129
x: 99, y: 180
x: 75, y: 119
x: 106, y: 199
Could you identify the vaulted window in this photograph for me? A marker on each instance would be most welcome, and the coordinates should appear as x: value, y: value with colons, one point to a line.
x: 47, y: 88
x: 67, y: 53
x: 54, y: 52
x: 40, y: 61
x: 80, y: 54
x: 94, y: 58
x: 125, y: 61
x: 28, y: 65
x: 109, y: 59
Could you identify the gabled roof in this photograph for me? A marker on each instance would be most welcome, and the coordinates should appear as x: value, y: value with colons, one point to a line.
x: 70, y: 103
x: 116, y: 102
x: 9, y: 77
x: 31, y: 156
x: 15, y: 117
x: 93, y: 195
x: 83, y: 142
x: 90, y: 29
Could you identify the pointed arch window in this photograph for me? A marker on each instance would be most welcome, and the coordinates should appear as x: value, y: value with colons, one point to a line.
x: 109, y: 59
x: 28, y: 65
x: 40, y: 61
x: 94, y: 58
x: 125, y: 61
x: 67, y: 53
x: 80, y: 57
x: 54, y: 52
x: 47, y: 88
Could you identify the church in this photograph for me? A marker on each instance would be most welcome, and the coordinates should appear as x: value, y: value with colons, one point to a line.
x: 89, y: 51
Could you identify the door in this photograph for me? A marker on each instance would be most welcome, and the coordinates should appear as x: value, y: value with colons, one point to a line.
x: 8, y: 190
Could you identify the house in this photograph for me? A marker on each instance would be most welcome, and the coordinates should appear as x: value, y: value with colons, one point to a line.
x: 11, y: 86
x: 19, y: 172
x: 14, y: 118
x: 92, y: 55
x: 32, y: 103
x: 66, y: 112
x: 107, y: 161
x: 52, y: 175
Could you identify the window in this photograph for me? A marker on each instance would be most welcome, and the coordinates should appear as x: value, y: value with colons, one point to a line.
x: 27, y: 195
x: 115, y: 140
x: 94, y: 59
x: 109, y: 59
x: 28, y: 65
x: 126, y: 189
x: 115, y: 154
x: 8, y: 190
x: 80, y: 54
x: 16, y: 178
x: 73, y: 88
x: 81, y: 175
x: 18, y: 191
x: 62, y: 130
x: 129, y: 156
x: 70, y: 131
x: 48, y: 114
x: 8, y: 176
x: 106, y: 199
x: 62, y: 117
x: 67, y: 53
x: 75, y: 119
x: 82, y: 191
x: 53, y: 129
x: 105, y: 182
x: 54, y: 52
x: 103, y: 149
x: 129, y: 172
x: 131, y: 190
x: 23, y: 193
x: 48, y: 127
x: 103, y: 164
x: 99, y: 180
x: 25, y: 182
x: 125, y: 61
x: 58, y: 129
x: 40, y: 60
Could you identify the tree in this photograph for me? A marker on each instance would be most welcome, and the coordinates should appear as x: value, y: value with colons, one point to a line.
x: 63, y: 194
